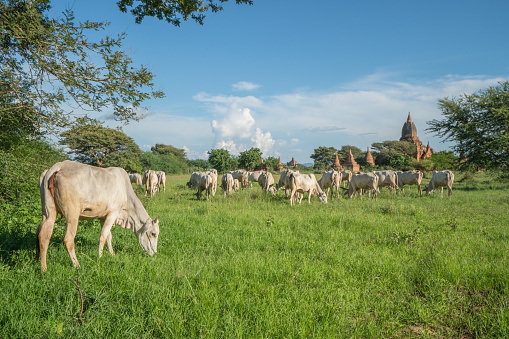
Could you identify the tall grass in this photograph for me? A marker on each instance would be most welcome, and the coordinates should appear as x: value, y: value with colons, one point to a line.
x: 251, y: 265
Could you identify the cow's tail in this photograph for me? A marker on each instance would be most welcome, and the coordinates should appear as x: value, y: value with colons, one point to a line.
x: 49, y: 210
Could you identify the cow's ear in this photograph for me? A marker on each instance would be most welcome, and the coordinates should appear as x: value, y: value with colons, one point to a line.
x: 156, y: 220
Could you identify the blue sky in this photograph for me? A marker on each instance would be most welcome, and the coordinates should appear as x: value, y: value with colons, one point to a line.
x: 288, y: 76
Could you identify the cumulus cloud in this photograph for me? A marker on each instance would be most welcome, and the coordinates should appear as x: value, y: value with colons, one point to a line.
x: 245, y: 86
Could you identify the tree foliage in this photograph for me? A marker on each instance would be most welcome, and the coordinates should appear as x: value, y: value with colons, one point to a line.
x: 272, y: 163
x: 94, y: 144
x: 199, y: 165
x: 161, y: 162
x: 393, y: 153
x: 249, y: 159
x: 163, y: 149
x: 479, y: 125
x: 220, y: 159
x: 173, y: 11
x: 444, y: 160
x: 323, y: 157
x: 53, y: 67
x: 345, y: 150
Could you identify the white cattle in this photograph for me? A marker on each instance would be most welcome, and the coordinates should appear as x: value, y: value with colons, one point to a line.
x: 161, y: 180
x: 363, y: 181
x: 77, y: 191
x: 284, y: 181
x: 205, y: 184
x: 441, y: 179
x: 236, y: 185
x: 410, y: 178
x: 136, y: 178
x: 305, y: 183
x: 242, y: 176
x: 150, y: 178
x: 329, y: 181
x: 346, y: 176
x: 227, y: 183
x: 253, y: 177
x: 213, y: 174
x: 194, y: 180
x: 266, y: 181
x: 386, y: 178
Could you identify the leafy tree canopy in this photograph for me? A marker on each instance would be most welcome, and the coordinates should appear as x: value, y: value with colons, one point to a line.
x: 345, y: 150
x: 272, y: 163
x: 52, y: 68
x: 160, y: 162
x: 92, y: 143
x: 220, y: 159
x: 479, y: 125
x: 444, y: 160
x: 249, y: 159
x: 173, y: 11
x: 323, y: 157
x: 169, y: 149
x: 198, y: 165
x: 393, y: 150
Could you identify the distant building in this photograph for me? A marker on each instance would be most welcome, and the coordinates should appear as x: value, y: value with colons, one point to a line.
x: 409, y: 133
x: 292, y: 163
x: 369, y: 158
x: 281, y: 168
x: 337, y: 166
x: 351, y: 164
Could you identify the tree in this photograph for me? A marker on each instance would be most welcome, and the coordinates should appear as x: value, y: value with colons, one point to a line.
x: 444, y: 160
x: 198, y: 165
x: 323, y: 157
x: 161, y: 162
x: 272, y: 163
x: 52, y: 67
x: 179, y: 153
x: 249, y: 159
x: 173, y: 11
x: 345, y: 150
x: 220, y: 159
x: 93, y: 144
x: 479, y: 125
x: 393, y: 150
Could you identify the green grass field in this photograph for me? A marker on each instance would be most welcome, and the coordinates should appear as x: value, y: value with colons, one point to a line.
x: 252, y: 266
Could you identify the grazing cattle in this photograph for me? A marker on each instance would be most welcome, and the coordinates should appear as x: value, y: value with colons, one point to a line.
x: 78, y: 191
x: 386, y: 178
x: 242, y: 176
x: 227, y: 183
x: 194, y: 180
x: 236, y: 185
x: 205, y: 184
x: 213, y: 174
x: 284, y: 181
x: 161, y: 180
x: 253, y: 177
x: 150, y: 178
x: 266, y: 181
x: 135, y: 178
x: 363, y: 181
x: 441, y: 179
x: 409, y: 178
x: 346, y: 177
x: 305, y: 183
x: 329, y: 181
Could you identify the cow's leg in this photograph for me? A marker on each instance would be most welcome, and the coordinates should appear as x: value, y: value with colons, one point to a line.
x: 105, y: 236
x: 108, y: 239
x: 72, y: 220
x: 43, y: 236
x: 441, y: 191
x: 450, y: 190
x: 419, y: 189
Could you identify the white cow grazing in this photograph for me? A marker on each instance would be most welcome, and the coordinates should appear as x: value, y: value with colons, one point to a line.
x: 242, y: 176
x: 346, y: 176
x: 236, y: 185
x: 266, y: 181
x: 253, y: 177
x: 227, y: 183
x: 284, y: 181
x: 305, y: 183
x: 441, y: 179
x: 205, y: 184
x: 329, y: 181
x: 150, y: 178
x: 161, y: 180
x: 194, y: 180
x: 410, y: 178
x: 363, y: 181
x: 77, y: 192
x: 136, y: 179
x: 386, y: 178
x: 213, y: 174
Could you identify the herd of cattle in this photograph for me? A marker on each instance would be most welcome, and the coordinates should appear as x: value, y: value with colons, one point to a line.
x: 77, y: 191
x: 295, y: 184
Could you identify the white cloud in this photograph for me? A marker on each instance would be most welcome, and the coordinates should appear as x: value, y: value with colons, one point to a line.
x: 245, y: 86
x: 263, y: 141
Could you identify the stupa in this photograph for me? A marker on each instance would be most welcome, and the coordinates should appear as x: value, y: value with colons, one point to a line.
x: 409, y: 133
x: 337, y: 166
x: 369, y: 158
x: 351, y: 164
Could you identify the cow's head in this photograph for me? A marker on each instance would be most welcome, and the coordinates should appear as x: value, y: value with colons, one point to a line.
x: 323, y: 197
x: 148, y: 234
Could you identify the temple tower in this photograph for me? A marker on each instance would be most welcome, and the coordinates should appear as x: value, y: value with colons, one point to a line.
x: 351, y: 164
x: 369, y: 158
